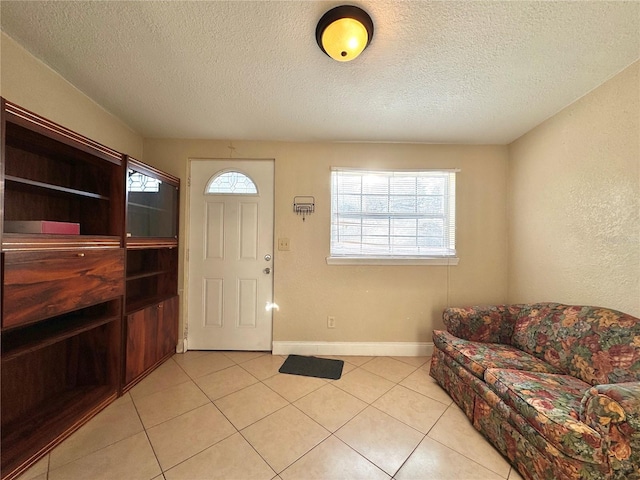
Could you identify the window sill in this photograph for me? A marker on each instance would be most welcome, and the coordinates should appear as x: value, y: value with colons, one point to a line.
x: 392, y: 260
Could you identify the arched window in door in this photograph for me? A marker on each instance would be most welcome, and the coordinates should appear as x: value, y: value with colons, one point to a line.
x: 231, y: 182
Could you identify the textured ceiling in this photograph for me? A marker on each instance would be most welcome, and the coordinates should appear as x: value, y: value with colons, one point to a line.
x: 435, y: 72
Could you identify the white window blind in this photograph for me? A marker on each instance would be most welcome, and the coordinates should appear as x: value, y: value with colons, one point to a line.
x: 393, y: 213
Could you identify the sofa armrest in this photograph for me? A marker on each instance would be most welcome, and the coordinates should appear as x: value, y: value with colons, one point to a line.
x: 491, y: 324
x: 613, y: 410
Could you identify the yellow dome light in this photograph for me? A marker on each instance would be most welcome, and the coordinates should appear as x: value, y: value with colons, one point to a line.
x: 344, y: 32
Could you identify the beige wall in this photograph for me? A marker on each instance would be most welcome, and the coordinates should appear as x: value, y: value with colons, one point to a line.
x: 370, y: 303
x: 573, y: 227
x: 31, y: 84
x: 574, y: 221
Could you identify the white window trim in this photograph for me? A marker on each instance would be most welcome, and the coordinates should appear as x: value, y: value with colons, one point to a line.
x: 399, y: 259
x: 392, y: 260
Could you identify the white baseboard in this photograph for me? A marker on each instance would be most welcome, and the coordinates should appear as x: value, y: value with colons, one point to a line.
x: 378, y: 349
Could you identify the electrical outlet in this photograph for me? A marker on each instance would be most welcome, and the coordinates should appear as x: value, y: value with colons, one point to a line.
x: 331, y: 322
x: 283, y: 244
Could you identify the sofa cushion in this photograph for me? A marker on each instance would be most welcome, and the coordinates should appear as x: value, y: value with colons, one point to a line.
x: 596, y: 345
x: 478, y: 356
x: 551, y: 404
x: 491, y: 323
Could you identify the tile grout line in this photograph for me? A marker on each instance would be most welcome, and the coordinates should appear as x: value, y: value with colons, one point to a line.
x: 144, y: 429
x: 408, y: 457
x: 291, y: 403
x: 237, y: 431
x: 277, y: 474
x: 368, y: 404
x: 469, y: 458
x: 49, y: 469
x: 48, y: 465
x: 209, y: 400
x: 371, y: 404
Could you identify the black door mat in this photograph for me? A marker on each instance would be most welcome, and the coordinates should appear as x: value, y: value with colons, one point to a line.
x: 312, y: 367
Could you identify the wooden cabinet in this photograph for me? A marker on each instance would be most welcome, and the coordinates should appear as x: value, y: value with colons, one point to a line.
x: 151, y: 337
x: 151, y: 302
x: 62, y: 294
x: 75, y: 301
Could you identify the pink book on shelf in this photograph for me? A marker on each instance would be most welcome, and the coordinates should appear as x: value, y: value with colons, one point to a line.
x: 42, y: 226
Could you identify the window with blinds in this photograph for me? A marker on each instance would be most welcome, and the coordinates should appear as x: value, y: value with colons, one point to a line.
x: 393, y: 214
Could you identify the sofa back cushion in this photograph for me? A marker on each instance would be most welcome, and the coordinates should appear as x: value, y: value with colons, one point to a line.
x: 486, y: 323
x: 594, y: 344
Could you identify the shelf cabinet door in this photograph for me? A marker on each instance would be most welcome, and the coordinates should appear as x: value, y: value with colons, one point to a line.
x: 152, y: 202
x: 141, y: 342
x: 151, y: 336
x: 167, y: 327
x: 39, y: 285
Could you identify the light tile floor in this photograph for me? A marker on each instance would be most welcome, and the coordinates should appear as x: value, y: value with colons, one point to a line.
x: 231, y: 415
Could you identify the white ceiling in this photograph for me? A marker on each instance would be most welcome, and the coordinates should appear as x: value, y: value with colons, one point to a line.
x: 436, y: 71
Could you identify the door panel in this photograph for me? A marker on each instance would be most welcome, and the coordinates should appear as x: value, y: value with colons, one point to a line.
x: 214, y: 230
x: 230, y: 281
x: 247, y: 300
x: 213, y: 301
x: 248, y: 231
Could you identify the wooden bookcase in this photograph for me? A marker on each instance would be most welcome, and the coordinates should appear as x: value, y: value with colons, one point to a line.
x: 151, y: 302
x: 62, y: 295
x: 84, y: 316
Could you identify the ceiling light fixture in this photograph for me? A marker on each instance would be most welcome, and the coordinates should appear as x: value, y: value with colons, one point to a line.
x: 344, y: 32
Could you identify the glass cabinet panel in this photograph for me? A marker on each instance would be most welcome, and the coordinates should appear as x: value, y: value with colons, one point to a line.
x: 151, y: 206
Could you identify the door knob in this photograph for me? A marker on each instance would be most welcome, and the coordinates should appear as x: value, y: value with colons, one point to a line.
x: 267, y: 270
x: 267, y: 257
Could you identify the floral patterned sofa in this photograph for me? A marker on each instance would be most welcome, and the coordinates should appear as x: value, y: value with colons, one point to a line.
x: 555, y: 388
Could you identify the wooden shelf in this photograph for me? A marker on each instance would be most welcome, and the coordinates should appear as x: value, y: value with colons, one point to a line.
x: 46, y: 333
x: 152, y: 276
x: 147, y: 207
x: 139, y: 303
x: 138, y: 275
x: 51, y: 422
x: 53, y: 188
x: 46, y: 241
x: 137, y: 243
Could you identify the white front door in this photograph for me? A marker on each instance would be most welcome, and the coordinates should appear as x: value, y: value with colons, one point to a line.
x: 230, y: 255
